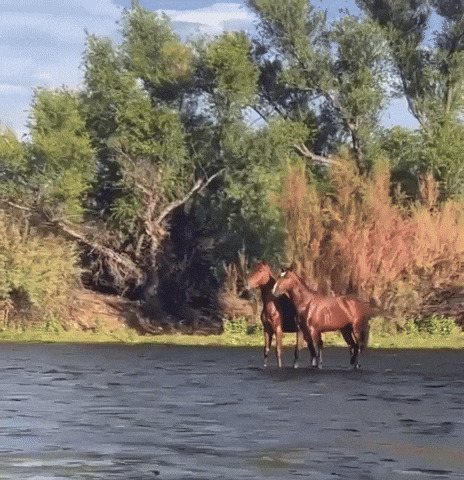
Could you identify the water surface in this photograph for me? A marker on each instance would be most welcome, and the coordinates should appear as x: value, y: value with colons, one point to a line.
x: 125, y: 412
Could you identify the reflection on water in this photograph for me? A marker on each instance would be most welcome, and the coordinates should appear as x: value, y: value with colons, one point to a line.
x: 116, y: 412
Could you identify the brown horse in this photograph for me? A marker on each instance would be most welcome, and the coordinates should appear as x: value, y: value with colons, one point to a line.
x: 318, y: 313
x: 278, y: 313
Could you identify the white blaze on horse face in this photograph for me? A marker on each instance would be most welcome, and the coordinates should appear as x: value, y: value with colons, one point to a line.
x: 274, y: 289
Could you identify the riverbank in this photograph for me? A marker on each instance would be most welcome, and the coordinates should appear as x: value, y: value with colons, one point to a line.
x: 378, y: 339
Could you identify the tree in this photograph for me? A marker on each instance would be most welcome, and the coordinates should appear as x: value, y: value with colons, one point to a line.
x: 62, y: 161
x: 343, y: 66
x: 13, y: 159
x: 133, y: 105
x: 430, y: 74
x: 154, y: 54
x: 235, y: 75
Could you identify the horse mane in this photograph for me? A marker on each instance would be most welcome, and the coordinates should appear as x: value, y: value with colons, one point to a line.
x: 290, y: 269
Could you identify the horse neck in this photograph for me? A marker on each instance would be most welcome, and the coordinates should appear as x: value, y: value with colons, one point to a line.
x: 266, y: 289
x: 300, y: 293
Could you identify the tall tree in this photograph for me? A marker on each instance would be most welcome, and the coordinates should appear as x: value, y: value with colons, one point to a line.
x: 134, y: 113
x: 62, y: 161
x: 344, y: 65
x: 430, y: 75
x: 430, y: 72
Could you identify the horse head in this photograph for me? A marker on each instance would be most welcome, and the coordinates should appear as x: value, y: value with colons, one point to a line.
x: 285, y: 282
x: 261, y: 275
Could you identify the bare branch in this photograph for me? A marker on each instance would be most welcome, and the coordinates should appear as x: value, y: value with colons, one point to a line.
x: 123, y: 265
x: 199, y: 186
x: 16, y: 206
x: 304, y: 150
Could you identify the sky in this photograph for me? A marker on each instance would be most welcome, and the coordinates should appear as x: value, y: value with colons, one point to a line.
x: 41, y: 42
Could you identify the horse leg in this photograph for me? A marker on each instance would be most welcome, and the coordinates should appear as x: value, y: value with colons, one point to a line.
x: 267, y: 345
x: 279, y: 347
x: 352, y: 342
x: 361, y: 334
x: 297, y: 349
x: 317, y: 343
x: 312, y: 350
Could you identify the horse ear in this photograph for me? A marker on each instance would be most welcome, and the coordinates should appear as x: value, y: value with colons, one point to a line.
x: 284, y: 271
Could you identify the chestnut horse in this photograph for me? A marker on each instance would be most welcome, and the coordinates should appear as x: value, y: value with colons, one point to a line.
x: 318, y: 313
x: 278, y: 313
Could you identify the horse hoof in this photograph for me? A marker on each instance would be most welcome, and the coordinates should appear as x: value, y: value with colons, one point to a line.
x: 295, y: 365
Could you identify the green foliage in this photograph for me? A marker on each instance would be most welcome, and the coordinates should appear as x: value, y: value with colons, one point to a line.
x: 240, y: 331
x: 431, y: 79
x: 12, y: 153
x: 292, y: 25
x: 105, y: 83
x: 142, y: 142
x: 53, y: 323
x: 153, y: 51
x: 345, y: 64
x: 236, y: 75
x: 238, y: 326
x: 62, y: 157
x: 37, y: 272
x: 246, y: 207
x: 437, y: 149
x: 443, y: 154
x: 143, y: 129
x: 360, y: 70
x: 436, y: 325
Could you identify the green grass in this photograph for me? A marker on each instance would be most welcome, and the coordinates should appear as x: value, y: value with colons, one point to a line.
x: 237, y: 334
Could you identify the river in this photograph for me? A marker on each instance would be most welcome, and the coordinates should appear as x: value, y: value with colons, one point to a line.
x: 146, y: 412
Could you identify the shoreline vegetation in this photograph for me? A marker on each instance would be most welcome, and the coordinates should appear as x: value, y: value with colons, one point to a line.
x: 235, y: 334
x: 138, y: 202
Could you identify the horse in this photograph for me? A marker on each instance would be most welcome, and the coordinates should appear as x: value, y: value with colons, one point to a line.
x: 278, y: 314
x: 319, y: 313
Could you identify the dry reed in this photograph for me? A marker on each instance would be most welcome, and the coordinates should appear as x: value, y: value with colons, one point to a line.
x: 356, y: 239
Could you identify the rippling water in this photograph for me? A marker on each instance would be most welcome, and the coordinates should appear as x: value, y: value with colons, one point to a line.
x: 117, y: 412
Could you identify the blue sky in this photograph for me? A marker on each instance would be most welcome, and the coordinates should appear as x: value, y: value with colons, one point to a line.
x: 41, y: 42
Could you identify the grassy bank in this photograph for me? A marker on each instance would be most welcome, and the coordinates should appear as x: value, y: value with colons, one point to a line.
x: 236, y: 335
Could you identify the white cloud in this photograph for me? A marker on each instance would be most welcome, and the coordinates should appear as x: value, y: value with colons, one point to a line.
x: 60, y: 7
x: 212, y: 20
x: 41, y: 43
x: 215, y: 16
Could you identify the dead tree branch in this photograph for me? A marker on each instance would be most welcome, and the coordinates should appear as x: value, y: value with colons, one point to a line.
x: 304, y: 150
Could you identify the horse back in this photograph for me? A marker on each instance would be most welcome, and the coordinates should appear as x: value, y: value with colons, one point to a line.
x: 356, y: 306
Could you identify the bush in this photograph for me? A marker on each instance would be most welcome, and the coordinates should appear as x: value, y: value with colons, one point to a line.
x: 438, y: 325
x: 36, y: 273
x: 235, y: 327
x: 356, y: 239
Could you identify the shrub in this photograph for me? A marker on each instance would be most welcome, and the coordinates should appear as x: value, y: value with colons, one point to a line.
x: 237, y: 326
x: 36, y: 273
x: 437, y: 325
x: 355, y: 239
